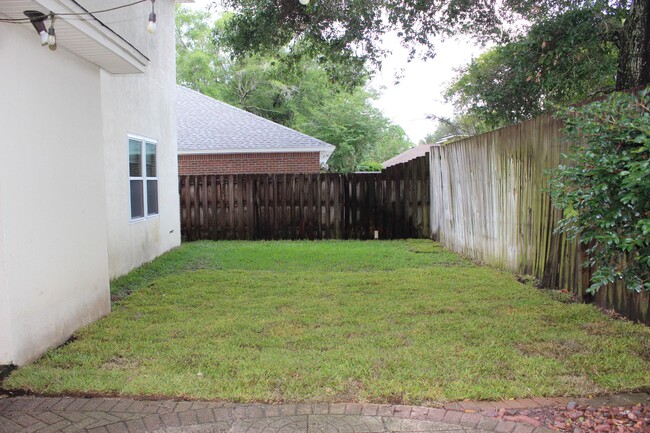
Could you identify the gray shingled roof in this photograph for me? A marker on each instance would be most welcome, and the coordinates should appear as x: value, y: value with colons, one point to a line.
x: 408, y: 155
x: 205, y: 124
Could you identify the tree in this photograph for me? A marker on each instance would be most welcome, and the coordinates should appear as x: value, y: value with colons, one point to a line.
x: 634, y: 55
x: 350, y: 31
x: 295, y: 92
x: 464, y: 125
x: 393, y: 142
x: 269, y: 85
x: 559, y: 61
x: 361, y: 133
x: 198, y: 61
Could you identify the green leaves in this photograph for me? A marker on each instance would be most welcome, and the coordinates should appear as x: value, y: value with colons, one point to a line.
x: 361, y: 133
x: 604, y: 188
x: 561, y: 60
x: 351, y: 31
x: 290, y: 87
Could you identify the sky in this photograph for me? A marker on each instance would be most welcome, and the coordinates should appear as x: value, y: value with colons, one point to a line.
x: 419, y: 91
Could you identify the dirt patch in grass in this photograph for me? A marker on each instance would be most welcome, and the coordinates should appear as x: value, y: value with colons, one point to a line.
x: 600, y: 329
x: 644, y: 350
x: 120, y: 363
x: 197, y: 264
x: 561, y: 350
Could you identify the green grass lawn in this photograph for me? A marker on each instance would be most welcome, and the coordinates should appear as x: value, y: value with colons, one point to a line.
x: 383, y: 321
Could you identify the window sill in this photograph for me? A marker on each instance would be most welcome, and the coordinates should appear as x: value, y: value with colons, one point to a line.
x: 147, y: 218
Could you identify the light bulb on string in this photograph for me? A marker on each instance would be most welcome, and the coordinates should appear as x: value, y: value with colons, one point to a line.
x: 48, y: 36
x: 151, y: 25
x: 51, y: 34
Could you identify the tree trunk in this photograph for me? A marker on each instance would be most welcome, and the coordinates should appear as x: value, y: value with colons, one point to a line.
x: 634, y: 55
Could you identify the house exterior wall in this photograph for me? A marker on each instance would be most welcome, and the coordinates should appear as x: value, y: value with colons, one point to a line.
x: 238, y: 163
x: 65, y: 227
x: 142, y: 105
x: 53, y: 249
x: 6, y: 340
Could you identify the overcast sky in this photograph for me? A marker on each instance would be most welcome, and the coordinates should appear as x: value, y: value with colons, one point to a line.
x: 418, y: 92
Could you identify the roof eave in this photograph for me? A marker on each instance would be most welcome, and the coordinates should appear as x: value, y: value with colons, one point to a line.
x: 256, y: 150
x: 85, y: 35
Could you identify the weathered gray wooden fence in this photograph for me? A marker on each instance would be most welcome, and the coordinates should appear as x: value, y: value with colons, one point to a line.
x: 488, y: 201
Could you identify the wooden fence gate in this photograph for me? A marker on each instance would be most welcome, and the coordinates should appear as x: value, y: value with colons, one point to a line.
x: 392, y: 204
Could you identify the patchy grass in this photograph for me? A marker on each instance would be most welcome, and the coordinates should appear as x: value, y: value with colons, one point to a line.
x: 398, y: 322
x: 289, y: 257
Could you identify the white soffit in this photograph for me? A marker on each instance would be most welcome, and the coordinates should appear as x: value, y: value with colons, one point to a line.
x: 83, y: 35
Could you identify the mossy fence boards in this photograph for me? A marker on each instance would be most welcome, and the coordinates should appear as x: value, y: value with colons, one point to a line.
x: 488, y: 202
x: 394, y: 203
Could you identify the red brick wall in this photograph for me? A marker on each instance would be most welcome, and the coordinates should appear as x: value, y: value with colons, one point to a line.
x: 238, y: 163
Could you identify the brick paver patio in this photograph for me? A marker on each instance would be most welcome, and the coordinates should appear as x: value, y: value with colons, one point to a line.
x: 121, y: 415
x: 118, y: 415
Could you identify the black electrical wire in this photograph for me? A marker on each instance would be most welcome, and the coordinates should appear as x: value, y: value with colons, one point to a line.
x: 104, y: 10
x: 27, y: 20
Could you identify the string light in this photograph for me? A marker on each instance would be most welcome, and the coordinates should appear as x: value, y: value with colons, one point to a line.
x: 151, y: 25
x: 51, y: 35
x: 48, y: 37
x: 73, y: 14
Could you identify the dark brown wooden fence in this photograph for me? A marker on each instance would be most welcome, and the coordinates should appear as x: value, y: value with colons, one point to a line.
x: 392, y: 204
x: 489, y: 202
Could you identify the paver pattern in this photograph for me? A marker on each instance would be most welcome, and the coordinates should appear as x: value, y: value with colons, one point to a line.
x: 121, y: 415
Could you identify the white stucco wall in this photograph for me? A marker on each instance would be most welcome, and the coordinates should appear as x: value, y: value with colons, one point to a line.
x: 65, y: 226
x: 143, y: 105
x: 6, y: 340
x: 53, y: 249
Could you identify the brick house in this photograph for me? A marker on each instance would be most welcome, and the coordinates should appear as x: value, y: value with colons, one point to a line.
x: 217, y: 138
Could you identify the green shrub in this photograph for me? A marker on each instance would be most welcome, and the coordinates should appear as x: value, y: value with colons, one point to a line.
x: 603, y: 187
x: 370, y: 166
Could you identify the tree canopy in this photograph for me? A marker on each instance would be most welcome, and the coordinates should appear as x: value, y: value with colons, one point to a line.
x: 297, y: 92
x: 560, y: 61
x: 349, y: 31
x: 361, y: 133
x: 448, y: 129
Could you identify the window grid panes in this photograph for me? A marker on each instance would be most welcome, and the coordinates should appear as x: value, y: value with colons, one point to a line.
x: 143, y: 178
x: 152, y: 197
x: 151, y: 160
x: 137, y: 200
x: 135, y: 158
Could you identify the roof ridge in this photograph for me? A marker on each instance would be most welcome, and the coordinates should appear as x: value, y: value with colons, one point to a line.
x: 254, y: 116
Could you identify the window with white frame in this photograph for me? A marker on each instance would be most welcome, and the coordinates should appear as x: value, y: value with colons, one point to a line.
x: 143, y: 177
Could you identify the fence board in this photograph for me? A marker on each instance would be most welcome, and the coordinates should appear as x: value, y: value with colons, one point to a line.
x: 489, y: 202
x: 312, y: 206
